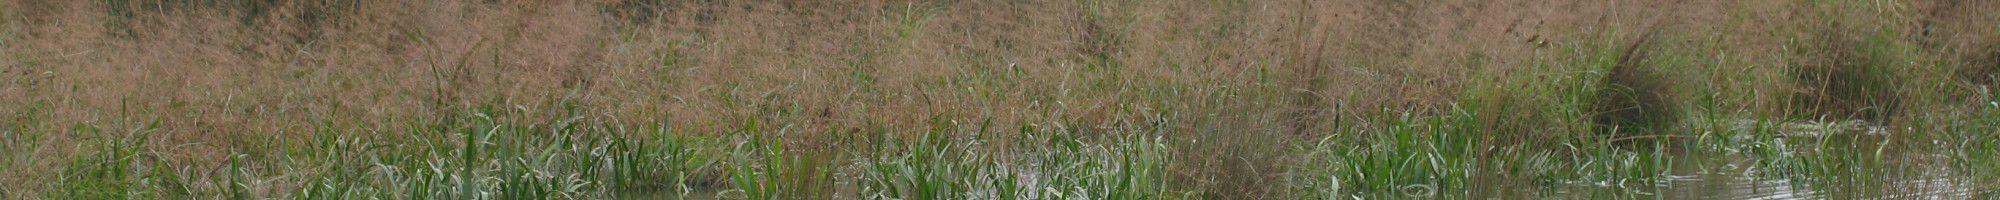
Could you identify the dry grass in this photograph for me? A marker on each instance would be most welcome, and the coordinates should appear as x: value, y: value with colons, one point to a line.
x: 1244, y: 76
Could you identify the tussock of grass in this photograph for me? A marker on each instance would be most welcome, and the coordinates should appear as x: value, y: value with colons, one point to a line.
x: 1847, y: 76
x: 1982, y: 64
x: 1634, y: 98
x: 115, y: 171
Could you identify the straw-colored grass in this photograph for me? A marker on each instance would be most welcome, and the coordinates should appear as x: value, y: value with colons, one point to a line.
x: 1033, y: 99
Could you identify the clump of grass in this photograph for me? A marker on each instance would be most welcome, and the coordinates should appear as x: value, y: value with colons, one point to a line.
x: 1412, y: 157
x: 762, y: 168
x: 1845, y: 78
x: 495, y: 159
x: 1591, y: 85
x: 1549, y: 100
x: 1530, y: 127
x: 1851, y: 67
x: 1982, y: 64
x: 1127, y: 166
x: 1232, y: 158
x: 120, y: 167
x: 1052, y: 164
x: 1977, y: 152
x: 21, y: 134
x: 664, y: 162
x: 1633, y: 98
x: 936, y: 167
x: 1441, y: 157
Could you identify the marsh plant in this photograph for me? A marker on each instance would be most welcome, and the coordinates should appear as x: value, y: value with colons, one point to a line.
x: 1023, y: 99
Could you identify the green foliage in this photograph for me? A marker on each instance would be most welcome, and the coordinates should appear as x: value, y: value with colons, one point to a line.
x: 121, y: 167
x: 935, y: 167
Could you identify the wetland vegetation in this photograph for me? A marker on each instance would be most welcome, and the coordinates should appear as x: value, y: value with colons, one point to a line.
x: 1018, y: 99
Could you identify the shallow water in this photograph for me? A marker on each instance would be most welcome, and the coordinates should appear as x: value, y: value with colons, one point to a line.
x: 1742, y: 186
x: 1857, y: 162
x: 1739, y: 187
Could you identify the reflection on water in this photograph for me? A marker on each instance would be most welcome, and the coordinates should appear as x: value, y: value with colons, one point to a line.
x: 1738, y: 186
x: 1826, y: 160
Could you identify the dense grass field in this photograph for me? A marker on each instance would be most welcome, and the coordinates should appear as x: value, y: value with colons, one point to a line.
x: 1015, y: 99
